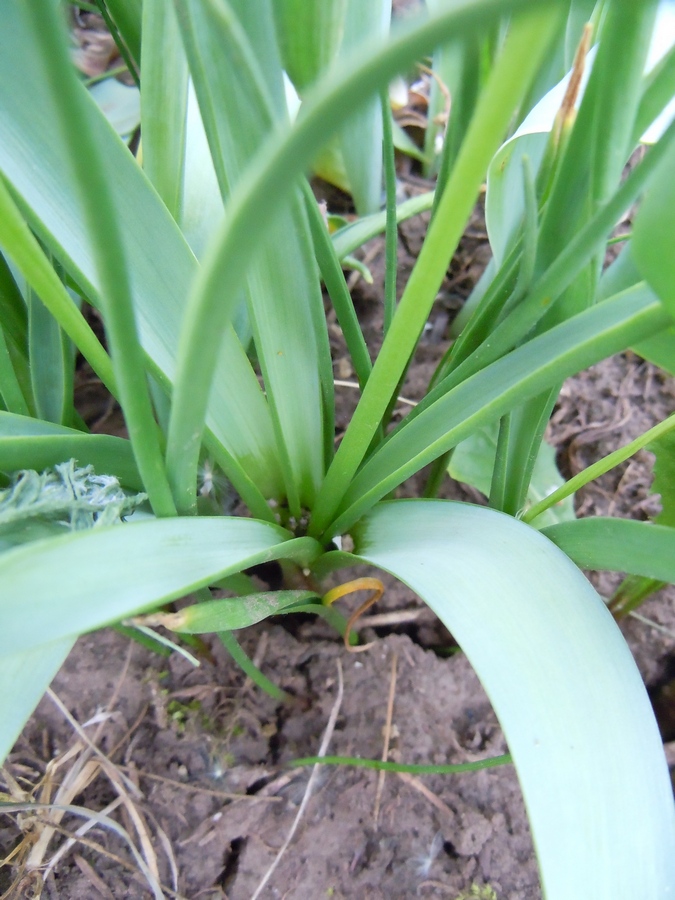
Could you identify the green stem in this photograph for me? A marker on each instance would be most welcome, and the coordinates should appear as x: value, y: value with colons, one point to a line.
x: 599, y: 468
x: 449, y: 769
x: 103, y: 76
x: 354, y: 235
x: 233, y: 647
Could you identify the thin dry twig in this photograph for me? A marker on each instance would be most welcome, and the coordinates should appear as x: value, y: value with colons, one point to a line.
x: 415, y: 783
x: 396, y: 617
x: 97, y: 882
x: 122, y: 784
x: 82, y: 830
x: 325, y: 741
x: 387, y: 738
x: 222, y: 795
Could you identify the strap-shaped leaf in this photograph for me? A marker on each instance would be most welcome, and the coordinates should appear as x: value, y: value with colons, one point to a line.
x: 24, y: 678
x: 618, y: 545
x: 64, y: 586
x: 27, y: 443
x: 365, y: 25
x: 442, y: 420
x: 562, y: 682
x: 34, y: 161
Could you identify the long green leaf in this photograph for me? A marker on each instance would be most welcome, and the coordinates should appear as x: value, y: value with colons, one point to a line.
x: 231, y: 613
x: 35, y: 162
x: 46, y: 588
x: 269, y: 183
x: 164, y: 103
x: 24, y: 677
x: 563, y: 684
x: 652, y: 229
x: 510, y: 77
x: 310, y: 33
x: 28, y: 443
x: 39, y: 274
x: 283, y: 290
x: 127, y: 16
x: 103, y: 223
x: 618, y: 545
x: 442, y: 420
x: 52, y: 364
x: 365, y: 24
x: 10, y: 387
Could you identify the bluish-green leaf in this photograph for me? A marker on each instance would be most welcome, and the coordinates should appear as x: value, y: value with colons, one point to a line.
x: 563, y: 684
x: 24, y: 677
x: 27, y: 443
x: 283, y: 291
x: 64, y: 586
x: 618, y: 545
x: 34, y: 161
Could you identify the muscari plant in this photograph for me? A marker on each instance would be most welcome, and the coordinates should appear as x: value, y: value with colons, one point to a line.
x: 210, y: 254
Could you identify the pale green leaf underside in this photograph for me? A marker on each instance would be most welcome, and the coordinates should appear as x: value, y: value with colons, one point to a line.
x: 24, y: 678
x: 563, y: 684
x: 64, y: 586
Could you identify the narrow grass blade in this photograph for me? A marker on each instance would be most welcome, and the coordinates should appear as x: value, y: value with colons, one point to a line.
x: 127, y: 16
x: 46, y: 588
x: 563, y: 684
x: 442, y: 420
x: 618, y: 545
x: 334, y: 279
x: 354, y: 235
x: 24, y: 678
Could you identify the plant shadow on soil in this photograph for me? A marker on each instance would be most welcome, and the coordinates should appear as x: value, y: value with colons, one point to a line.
x: 207, y: 750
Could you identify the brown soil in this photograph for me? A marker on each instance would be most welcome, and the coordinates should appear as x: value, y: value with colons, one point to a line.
x: 205, y: 752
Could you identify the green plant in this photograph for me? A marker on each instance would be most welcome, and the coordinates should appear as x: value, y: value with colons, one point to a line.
x: 78, y: 215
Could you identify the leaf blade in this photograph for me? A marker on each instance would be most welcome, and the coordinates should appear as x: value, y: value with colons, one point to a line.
x: 41, y: 601
x: 538, y: 635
